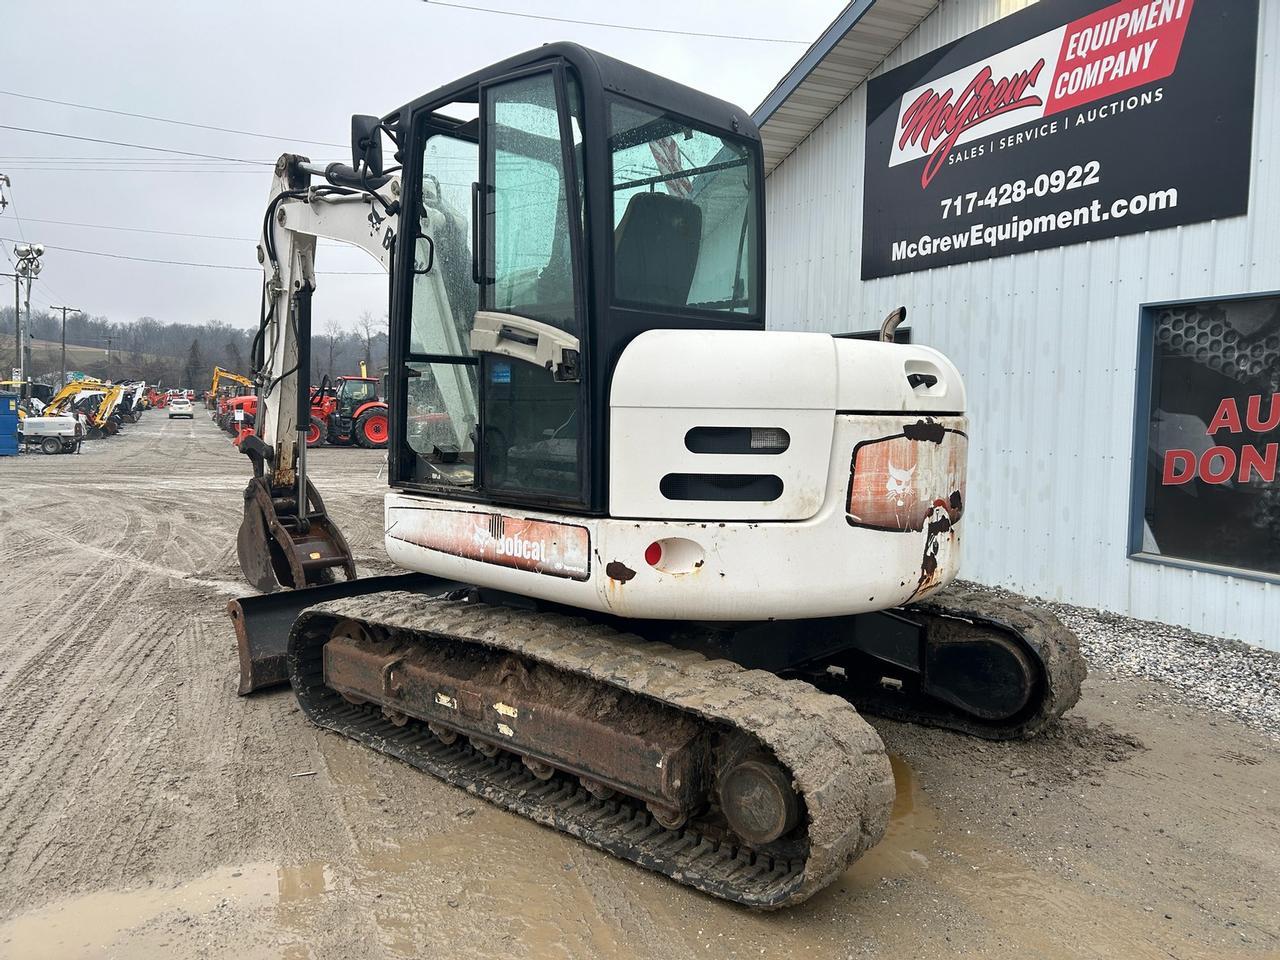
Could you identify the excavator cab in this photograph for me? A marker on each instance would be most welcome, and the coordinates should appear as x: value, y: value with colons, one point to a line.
x: 565, y: 203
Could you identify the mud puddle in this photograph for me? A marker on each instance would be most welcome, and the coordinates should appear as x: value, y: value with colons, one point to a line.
x: 1039, y: 908
x: 148, y: 922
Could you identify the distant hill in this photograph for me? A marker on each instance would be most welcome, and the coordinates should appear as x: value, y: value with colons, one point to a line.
x: 48, y: 353
x: 177, y: 354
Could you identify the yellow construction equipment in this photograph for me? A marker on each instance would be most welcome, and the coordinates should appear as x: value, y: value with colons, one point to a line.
x: 61, y: 401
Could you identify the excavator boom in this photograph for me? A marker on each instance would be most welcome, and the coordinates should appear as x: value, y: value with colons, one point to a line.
x: 286, y: 537
x: 220, y: 374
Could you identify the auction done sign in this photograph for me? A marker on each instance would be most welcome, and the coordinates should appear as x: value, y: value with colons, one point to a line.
x: 1069, y: 121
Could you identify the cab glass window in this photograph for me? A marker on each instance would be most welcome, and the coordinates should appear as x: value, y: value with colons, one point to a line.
x: 530, y: 255
x: 684, y: 213
x: 529, y: 419
x: 361, y: 390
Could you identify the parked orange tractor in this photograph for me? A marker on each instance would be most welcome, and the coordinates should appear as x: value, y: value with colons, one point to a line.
x: 350, y: 412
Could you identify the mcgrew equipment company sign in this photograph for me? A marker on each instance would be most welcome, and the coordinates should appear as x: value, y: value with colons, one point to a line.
x: 1068, y: 121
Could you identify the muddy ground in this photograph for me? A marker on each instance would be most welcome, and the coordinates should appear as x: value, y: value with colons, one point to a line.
x: 147, y: 811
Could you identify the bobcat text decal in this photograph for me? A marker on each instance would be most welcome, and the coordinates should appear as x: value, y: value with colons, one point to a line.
x: 540, y: 546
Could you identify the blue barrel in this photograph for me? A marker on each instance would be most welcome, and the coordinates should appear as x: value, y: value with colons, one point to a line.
x: 8, y: 424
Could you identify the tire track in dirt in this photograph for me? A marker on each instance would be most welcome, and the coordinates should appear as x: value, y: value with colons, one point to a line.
x: 86, y: 701
x: 77, y: 699
x: 127, y: 751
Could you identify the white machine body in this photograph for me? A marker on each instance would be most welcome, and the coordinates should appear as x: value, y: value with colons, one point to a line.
x: 843, y: 495
x: 862, y: 445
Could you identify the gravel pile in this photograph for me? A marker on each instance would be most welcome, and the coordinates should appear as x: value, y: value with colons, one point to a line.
x: 1225, y: 676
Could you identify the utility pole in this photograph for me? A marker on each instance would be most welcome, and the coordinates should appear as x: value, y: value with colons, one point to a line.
x: 65, y: 311
x: 28, y: 267
x: 108, y: 341
x: 17, y: 325
x: 17, y: 319
x: 26, y: 331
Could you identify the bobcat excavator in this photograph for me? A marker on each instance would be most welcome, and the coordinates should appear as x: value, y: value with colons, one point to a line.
x: 659, y: 556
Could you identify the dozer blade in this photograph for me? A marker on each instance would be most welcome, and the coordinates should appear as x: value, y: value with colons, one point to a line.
x: 263, y: 622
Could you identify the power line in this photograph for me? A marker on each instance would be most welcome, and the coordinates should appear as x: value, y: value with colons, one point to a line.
x: 8, y: 159
x: 135, y: 146
x: 611, y: 26
x: 163, y: 233
x: 22, y: 233
x: 180, y: 123
x: 61, y: 159
x: 192, y: 263
x: 145, y: 170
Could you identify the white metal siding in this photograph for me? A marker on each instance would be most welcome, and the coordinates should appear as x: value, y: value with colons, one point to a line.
x: 1047, y: 343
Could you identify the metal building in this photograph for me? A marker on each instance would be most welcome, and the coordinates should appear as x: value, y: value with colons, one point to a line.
x: 1122, y: 362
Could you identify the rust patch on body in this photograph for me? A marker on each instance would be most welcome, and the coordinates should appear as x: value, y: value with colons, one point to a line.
x: 539, y: 546
x: 938, y: 524
x: 617, y: 570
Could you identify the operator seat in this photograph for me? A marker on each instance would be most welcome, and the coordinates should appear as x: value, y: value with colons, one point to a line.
x: 656, y: 246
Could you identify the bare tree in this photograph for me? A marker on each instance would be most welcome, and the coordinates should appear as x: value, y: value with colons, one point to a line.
x: 194, y: 370
x: 368, y: 329
x: 332, y: 334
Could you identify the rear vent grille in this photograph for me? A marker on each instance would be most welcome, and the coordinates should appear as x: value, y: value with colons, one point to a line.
x: 721, y: 486
x: 731, y: 440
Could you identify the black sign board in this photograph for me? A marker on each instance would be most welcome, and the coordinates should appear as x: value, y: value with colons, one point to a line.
x: 1069, y: 121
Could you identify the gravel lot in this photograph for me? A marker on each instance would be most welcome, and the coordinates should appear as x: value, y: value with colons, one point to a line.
x: 146, y: 811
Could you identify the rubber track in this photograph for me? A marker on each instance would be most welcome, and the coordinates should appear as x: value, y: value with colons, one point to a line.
x: 1056, y: 648
x: 837, y: 761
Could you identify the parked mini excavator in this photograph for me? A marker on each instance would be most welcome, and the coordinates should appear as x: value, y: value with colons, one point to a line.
x: 240, y: 386
x: 660, y: 557
x: 97, y: 402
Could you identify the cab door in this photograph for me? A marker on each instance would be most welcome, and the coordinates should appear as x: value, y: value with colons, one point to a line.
x: 436, y: 394
x: 528, y: 331
x: 490, y: 331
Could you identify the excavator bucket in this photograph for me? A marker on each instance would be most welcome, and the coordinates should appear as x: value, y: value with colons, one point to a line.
x: 262, y: 623
x: 280, y: 545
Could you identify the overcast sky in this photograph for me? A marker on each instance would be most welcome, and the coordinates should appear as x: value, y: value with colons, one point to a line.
x: 287, y: 70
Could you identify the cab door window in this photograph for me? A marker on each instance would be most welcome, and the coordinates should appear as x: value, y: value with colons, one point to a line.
x: 529, y: 253
x: 441, y: 396
x: 530, y: 416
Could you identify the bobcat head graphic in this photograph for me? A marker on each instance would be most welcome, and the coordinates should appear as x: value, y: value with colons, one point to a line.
x: 897, y: 485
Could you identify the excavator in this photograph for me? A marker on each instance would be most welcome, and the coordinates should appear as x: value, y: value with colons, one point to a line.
x: 659, y: 559
x: 94, y: 400
x: 101, y: 405
x: 219, y: 375
x: 61, y: 400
